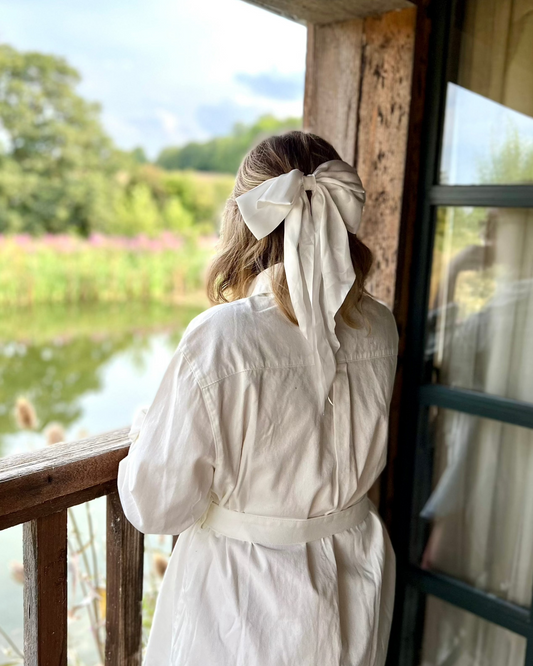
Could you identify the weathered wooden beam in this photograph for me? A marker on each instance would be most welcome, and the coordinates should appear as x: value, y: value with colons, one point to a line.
x: 357, y: 97
x: 57, y: 504
x: 44, y: 481
x: 329, y: 11
x: 332, y: 81
x: 45, y: 590
x: 383, y: 122
x: 124, y: 588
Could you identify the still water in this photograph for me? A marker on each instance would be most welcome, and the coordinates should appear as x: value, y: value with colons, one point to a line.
x: 86, y: 369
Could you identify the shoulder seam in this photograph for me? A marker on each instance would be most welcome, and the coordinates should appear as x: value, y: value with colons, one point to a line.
x: 207, y: 403
x: 385, y: 354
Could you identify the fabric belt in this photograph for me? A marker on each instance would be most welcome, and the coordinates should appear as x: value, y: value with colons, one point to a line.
x: 274, y: 530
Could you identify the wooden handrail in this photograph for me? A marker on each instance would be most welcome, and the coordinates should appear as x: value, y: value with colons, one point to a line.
x: 36, y: 489
x: 60, y: 476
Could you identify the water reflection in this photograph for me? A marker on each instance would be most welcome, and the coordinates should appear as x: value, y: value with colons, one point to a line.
x: 89, y: 375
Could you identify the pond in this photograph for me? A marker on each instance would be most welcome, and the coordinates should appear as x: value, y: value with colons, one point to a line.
x: 85, y: 369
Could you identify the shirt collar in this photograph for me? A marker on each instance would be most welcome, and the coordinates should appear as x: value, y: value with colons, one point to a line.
x: 261, y: 283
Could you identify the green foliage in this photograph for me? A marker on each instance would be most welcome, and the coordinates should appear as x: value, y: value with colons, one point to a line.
x: 106, y: 271
x: 511, y: 160
x: 224, y: 154
x: 139, y: 155
x: 55, y: 158
x: 60, y: 172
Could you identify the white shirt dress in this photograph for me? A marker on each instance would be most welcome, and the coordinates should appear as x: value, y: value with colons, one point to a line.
x: 234, y: 421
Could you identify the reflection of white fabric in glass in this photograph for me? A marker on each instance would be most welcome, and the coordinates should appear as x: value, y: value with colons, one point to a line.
x: 483, y: 502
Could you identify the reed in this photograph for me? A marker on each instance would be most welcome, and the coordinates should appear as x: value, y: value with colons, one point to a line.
x: 107, y: 269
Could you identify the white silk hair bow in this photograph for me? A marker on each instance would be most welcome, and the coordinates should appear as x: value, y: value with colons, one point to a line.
x: 317, y: 257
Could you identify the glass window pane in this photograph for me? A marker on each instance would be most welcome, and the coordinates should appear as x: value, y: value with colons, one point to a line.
x: 454, y: 637
x: 480, y: 511
x: 480, y: 318
x: 488, y: 135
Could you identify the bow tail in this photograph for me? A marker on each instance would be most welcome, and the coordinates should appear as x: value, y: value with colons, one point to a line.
x: 338, y: 272
x: 303, y: 252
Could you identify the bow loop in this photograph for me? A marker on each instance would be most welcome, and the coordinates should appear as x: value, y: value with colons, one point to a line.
x: 317, y: 257
x: 265, y: 207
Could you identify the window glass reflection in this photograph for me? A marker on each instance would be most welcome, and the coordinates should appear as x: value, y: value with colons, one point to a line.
x: 480, y: 510
x: 488, y: 136
x: 454, y: 637
x: 480, y: 318
x: 484, y: 143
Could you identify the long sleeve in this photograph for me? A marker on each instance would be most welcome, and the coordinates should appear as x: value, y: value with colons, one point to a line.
x: 165, y: 480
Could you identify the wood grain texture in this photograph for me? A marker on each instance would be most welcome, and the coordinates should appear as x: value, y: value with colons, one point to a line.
x: 124, y: 588
x: 45, y: 590
x: 383, y: 121
x: 329, y: 11
x: 44, y: 481
x: 357, y: 97
x: 332, y: 79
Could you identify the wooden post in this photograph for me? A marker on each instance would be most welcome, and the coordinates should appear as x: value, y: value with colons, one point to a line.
x: 357, y: 96
x: 125, y: 553
x: 382, y: 139
x: 332, y: 79
x: 45, y: 590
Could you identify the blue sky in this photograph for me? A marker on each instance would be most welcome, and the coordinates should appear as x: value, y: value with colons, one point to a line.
x: 475, y: 127
x: 168, y: 71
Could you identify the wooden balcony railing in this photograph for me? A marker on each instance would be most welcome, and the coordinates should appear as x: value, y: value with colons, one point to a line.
x: 37, y: 489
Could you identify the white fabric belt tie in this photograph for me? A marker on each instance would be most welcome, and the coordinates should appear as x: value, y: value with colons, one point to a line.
x: 273, y: 530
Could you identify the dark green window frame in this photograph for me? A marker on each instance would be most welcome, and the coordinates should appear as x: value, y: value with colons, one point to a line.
x: 413, y: 468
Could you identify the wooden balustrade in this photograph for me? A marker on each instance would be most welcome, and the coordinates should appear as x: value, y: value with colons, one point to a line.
x: 36, y: 489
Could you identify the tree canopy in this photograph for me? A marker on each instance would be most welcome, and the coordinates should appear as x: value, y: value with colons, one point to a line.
x: 60, y: 171
x: 224, y: 154
x: 55, y: 158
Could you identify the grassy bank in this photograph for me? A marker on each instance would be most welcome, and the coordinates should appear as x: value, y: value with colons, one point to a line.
x: 108, y: 269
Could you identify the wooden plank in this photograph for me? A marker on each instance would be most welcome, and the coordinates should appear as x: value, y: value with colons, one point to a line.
x: 45, y: 590
x: 49, y: 477
x: 333, y: 68
x: 56, y: 504
x: 125, y: 552
x: 382, y: 139
x: 329, y: 11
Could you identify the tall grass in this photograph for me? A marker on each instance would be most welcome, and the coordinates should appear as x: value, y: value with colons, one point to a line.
x: 68, y: 269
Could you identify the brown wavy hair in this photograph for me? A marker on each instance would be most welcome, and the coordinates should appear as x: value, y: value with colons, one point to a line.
x: 240, y: 256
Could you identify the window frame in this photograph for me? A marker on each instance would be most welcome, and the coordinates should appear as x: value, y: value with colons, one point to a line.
x: 413, y: 467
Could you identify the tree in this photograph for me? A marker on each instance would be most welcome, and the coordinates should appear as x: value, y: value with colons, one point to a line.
x: 224, y: 154
x: 56, y: 161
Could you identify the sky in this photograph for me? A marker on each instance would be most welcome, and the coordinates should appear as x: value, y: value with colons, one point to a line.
x: 168, y: 71
x: 476, y: 127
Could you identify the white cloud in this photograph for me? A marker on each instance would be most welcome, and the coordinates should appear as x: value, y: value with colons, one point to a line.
x: 154, y: 65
